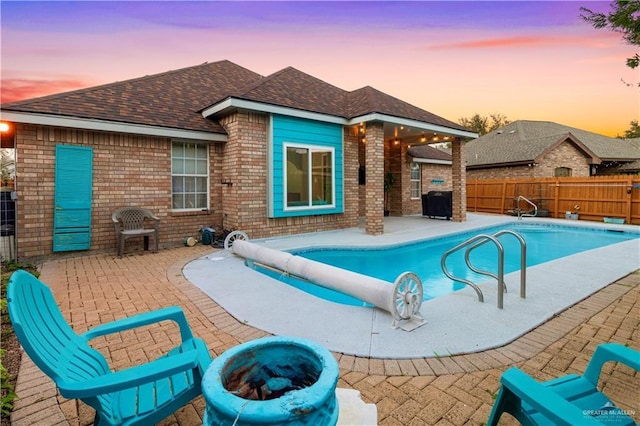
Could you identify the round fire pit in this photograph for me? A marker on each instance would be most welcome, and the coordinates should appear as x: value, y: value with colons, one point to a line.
x: 272, y: 381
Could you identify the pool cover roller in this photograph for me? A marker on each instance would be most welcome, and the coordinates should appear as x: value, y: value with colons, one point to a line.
x: 402, y: 299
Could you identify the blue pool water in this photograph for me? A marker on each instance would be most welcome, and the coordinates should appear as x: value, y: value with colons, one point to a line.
x: 545, y: 242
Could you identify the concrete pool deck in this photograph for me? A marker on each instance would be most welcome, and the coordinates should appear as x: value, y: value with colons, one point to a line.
x: 456, y: 323
x: 447, y: 390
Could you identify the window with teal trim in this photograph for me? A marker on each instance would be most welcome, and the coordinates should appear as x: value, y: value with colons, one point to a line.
x: 310, y: 176
x: 189, y: 176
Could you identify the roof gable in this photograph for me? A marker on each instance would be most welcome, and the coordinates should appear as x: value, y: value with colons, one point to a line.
x: 369, y: 100
x: 292, y: 88
x: 429, y: 153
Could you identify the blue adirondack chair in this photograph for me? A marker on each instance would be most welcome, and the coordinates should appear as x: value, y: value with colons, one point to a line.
x: 143, y: 394
x: 569, y: 400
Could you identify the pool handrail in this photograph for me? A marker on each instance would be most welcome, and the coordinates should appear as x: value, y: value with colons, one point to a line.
x: 477, y: 241
x: 485, y: 237
x: 519, y: 211
x: 523, y: 260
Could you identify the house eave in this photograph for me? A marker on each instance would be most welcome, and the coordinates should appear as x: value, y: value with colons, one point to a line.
x: 431, y: 161
x: 411, y: 123
x: 110, y: 126
x: 231, y: 104
x: 494, y: 165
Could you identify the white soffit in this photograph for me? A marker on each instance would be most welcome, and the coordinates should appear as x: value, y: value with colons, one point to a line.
x: 110, y: 126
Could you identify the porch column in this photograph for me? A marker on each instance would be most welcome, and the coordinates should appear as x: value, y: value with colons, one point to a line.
x: 459, y: 180
x: 374, y: 188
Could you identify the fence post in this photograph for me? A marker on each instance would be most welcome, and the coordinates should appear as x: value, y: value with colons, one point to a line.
x: 629, y: 191
x: 556, y: 196
x: 504, y: 195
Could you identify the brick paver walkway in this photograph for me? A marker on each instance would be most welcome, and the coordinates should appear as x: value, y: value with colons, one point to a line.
x: 455, y: 390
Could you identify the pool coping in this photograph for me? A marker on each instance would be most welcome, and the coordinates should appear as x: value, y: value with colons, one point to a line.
x: 367, y: 332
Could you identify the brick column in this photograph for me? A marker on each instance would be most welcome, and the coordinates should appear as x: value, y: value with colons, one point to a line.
x: 459, y: 181
x: 374, y: 188
x: 244, y: 203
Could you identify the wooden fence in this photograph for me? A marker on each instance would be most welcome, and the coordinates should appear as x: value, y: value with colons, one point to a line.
x: 593, y: 198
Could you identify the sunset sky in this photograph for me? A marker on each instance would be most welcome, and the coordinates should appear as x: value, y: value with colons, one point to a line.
x: 525, y: 60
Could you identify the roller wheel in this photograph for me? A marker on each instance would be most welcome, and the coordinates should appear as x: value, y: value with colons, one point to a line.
x: 407, y: 295
x: 233, y: 236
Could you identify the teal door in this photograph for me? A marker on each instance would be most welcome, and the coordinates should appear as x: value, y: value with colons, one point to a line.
x: 73, y: 185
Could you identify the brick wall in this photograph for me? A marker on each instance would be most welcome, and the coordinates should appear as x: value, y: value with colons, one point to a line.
x: 428, y: 173
x: 128, y: 170
x: 564, y: 155
x: 245, y: 202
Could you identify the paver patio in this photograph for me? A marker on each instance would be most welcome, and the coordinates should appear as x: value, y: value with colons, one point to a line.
x: 456, y: 390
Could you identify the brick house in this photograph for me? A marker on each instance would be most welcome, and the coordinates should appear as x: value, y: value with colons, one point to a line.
x: 216, y: 145
x: 528, y: 149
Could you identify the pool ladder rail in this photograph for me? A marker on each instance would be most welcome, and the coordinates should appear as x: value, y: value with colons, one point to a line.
x: 521, y: 213
x: 482, y: 239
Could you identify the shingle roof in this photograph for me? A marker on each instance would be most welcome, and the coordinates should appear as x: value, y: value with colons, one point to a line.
x: 368, y: 100
x: 176, y: 98
x: 292, y: 88
x: 428, y: 152
x: 523, y: 141
x: 170, y: 99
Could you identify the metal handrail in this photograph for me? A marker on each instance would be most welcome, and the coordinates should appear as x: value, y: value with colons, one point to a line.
x: 523, y: 261
x: 480, y: 240
x: 519, y: 211
x: 471, y: 240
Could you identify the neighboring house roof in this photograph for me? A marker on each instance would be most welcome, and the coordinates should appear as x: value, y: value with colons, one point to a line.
x: 190, y: 98
x: 631, y: 167
x: 523, y: 142
x: 429, y: 154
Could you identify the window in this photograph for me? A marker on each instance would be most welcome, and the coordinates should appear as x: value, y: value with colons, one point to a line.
x: 189, y: 176
x: 416, y: 180
x: 562, y: 172
x: 309, y: 180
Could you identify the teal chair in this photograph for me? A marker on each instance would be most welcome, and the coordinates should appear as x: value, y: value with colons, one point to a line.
x: 569, y: 400
x: 140, y: 395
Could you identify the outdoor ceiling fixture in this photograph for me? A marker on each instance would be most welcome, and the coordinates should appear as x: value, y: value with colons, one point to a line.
x: 4, y: 127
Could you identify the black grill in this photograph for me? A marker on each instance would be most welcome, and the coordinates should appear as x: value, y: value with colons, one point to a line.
x: 437, y: 204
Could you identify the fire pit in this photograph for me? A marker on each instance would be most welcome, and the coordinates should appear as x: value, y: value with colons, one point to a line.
x: 272, y: 381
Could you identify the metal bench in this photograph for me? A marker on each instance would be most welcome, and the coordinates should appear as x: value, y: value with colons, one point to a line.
x: 129, y: 222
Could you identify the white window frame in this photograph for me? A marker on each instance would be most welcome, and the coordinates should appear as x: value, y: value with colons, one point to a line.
x: 416, y: 184
x: 311, y: 149
x: 205, y: 175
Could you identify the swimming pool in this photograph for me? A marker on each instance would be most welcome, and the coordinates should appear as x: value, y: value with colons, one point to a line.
x: 545, y: 242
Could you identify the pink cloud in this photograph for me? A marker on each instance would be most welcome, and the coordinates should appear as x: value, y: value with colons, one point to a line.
x: 15, y: 89
x: 522, y: 41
